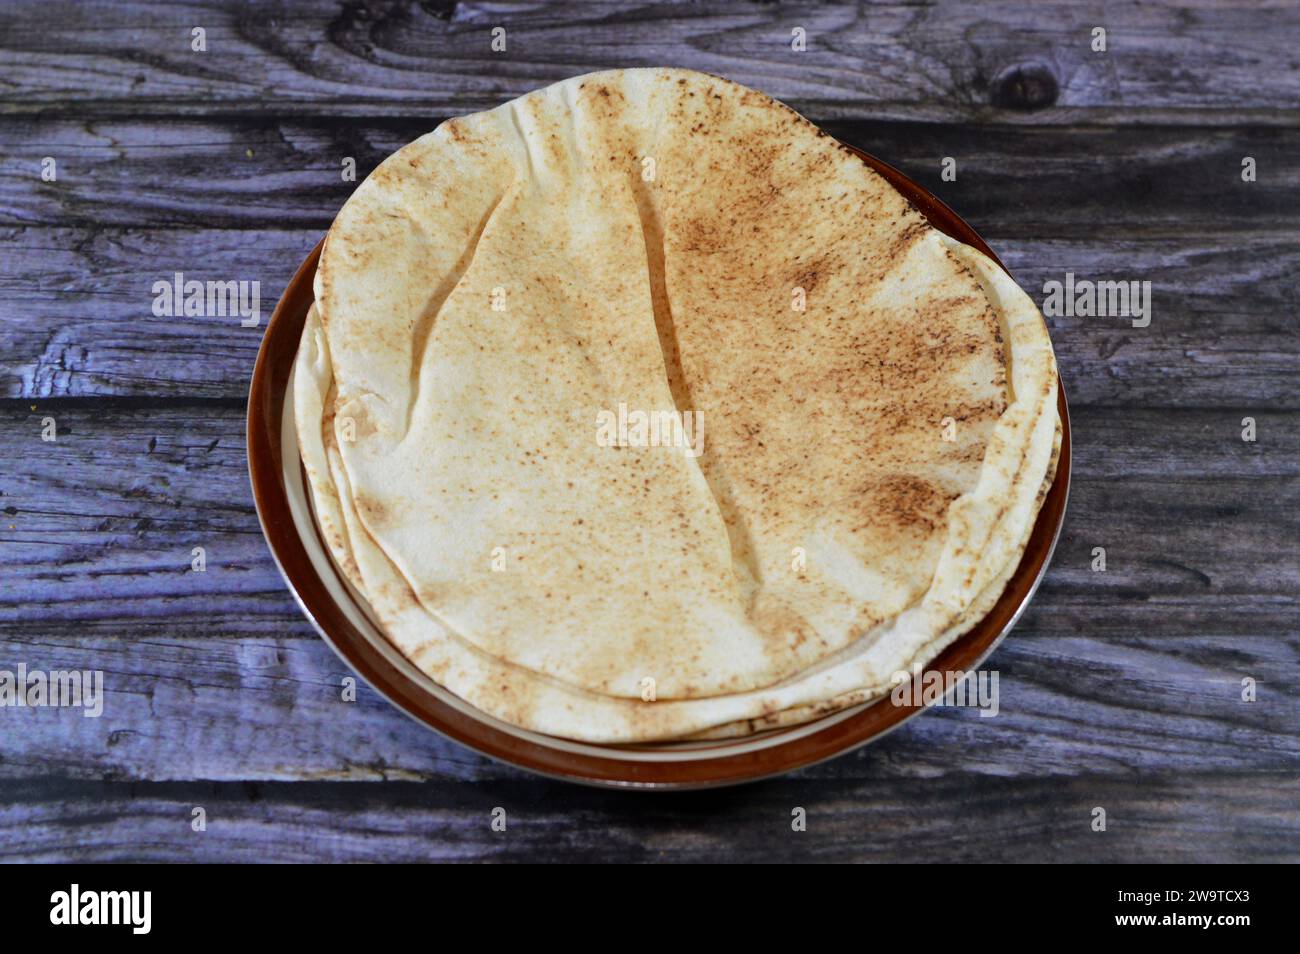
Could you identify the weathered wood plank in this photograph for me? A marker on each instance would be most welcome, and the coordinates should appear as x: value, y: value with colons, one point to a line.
x: 114, y: 507
x: 76, y: 320
x: 943, y: 62
x: 1188, y: 817
x: 224, y: 708
x: 1015, y: 182
x: 76, y: 317
x: 191, y: 707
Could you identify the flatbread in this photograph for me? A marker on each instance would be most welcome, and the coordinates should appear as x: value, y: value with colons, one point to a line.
x: 467, y: 433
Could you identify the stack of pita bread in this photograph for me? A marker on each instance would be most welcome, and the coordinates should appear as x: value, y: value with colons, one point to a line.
x: 505, y: 307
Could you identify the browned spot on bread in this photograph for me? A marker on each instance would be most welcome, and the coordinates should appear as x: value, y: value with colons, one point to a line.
x: 373, y: 509
x: 399, y: 596
x: 557, y: 149
x: 808, y: 277
x: 456, y: 130
x: 907, y: 502
x: 782, y: 627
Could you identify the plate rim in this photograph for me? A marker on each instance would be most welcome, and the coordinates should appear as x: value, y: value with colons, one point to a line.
x: 875, y: 721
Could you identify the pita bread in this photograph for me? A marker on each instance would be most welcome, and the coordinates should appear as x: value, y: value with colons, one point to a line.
x: 439, y: 432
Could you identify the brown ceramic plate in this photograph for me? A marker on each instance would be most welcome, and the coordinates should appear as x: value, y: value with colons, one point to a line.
x: 283, y: 505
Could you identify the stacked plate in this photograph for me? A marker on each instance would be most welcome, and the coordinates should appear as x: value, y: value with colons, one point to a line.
x: 636, y: 432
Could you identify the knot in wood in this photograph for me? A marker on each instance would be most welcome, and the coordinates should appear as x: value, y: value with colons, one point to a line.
x: 1026, y: 87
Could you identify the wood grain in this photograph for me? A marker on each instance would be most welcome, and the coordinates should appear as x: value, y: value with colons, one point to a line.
x: 1182, y: 816
x: 1011, y: 181
x: 209, y: 706
x: 944, y: 62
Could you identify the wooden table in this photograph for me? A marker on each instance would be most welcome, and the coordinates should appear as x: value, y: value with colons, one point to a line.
x: 1120, y: 689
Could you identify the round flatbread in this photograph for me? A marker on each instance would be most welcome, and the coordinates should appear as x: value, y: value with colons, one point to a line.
x: 842, y: 410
